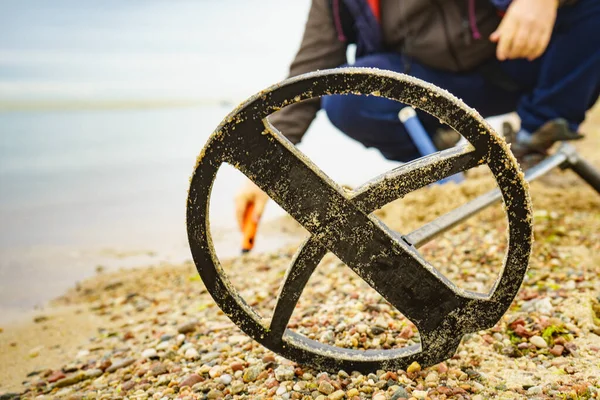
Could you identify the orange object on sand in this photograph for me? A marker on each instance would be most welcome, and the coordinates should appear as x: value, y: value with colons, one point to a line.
x: 249, y: 228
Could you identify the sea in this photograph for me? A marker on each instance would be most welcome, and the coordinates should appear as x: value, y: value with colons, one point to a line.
x: 104, y: 107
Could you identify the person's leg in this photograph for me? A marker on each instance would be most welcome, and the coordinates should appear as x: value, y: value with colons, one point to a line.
x: 374, y: 122
x: 565, y: 81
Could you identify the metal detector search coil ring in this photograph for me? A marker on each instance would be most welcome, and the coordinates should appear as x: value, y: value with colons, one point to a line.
x: 341, y: 222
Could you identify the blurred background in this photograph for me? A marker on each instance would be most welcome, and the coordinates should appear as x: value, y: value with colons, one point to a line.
x: 104, y: 107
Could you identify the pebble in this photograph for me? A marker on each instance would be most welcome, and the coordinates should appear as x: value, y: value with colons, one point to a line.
x: 192, y: 354
x: 534, y: 390
x: 187, y: 328
x: 338, y: 395
x: 251, y: 373
x: 538, y: 341
x: 70, y: 380
x: 191, y: 380
x: 215, y: 371
x: 55, y: 376
x: 158, y: 369
x: 326, y: 387
x: 557, y: 350
x: 93, y: 373
x: 149, y: 353
x: 215, y: 394
x: 414, y: 367
x: 237, y: 387
x: 400, y: 393
x: 121, y: 363
x: 226, y: 379
x: 327, y: 337
x: 281, y: 390
x: 163, y: 346
x: 237, y: 366
x: 284, y: 373
x: 419, y: 394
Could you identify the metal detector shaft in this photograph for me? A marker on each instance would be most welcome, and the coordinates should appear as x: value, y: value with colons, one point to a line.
x: 447, y: 221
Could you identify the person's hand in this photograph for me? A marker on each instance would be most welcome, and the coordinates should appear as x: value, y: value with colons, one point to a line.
x: 249, y: 193
x: 525, y: 30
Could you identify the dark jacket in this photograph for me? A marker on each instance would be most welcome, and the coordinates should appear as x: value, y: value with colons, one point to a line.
x: 450, y: 35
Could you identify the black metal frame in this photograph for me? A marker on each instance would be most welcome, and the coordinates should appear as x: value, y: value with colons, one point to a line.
x: 342, y: 223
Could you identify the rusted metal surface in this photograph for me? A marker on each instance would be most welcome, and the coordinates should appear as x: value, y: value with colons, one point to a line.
x: 341, y: 222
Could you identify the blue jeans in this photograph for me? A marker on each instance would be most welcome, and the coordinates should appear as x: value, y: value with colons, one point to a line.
x: 563, y: 83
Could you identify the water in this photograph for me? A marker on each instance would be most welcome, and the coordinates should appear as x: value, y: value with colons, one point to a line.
x: 89, y: 177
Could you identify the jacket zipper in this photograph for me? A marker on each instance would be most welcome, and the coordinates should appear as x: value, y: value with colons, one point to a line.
x: 447, y: 35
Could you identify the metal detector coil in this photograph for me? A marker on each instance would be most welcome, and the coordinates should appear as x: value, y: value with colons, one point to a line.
x: 342, y: 222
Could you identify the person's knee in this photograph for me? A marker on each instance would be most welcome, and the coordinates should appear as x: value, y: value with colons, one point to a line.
x: 341, y: 111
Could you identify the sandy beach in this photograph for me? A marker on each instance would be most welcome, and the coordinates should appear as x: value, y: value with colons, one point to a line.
x: 103, y: 111
x: 156, y: 333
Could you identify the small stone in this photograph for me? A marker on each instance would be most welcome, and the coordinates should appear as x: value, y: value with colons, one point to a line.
x: 163, y: 346
x: 407, y: 332
x: 237, y: 366
x: 400, y: 393
x: 414, y: 367
x: 327, y: 337
x: 280, y: 390
x: 380, y: 396
x: 192, y: 354
x: 377, y: 330
x: 158, y: 369
x: 56, y: 376
x: 215, y: 394
x: 128, y: 385
x: 251, y: 373
x: 538, y: 341
x: 191, y: 380
x: 326, y: 387
x: 362, y: 328
x: 149, y: 353
x: 93, y: 373
x: 284, y: 373
x: 225, y: 379
x: 237, y: 387
x: 71, y: 380
x: 120, y: 364
x: 268, y: 358
x: 215, y: 371
x: 442, y: 368
x: 557, y: 350
x: 352, y: 392
x: 337, y: 395
x: 187, y: 328
x: 419, y: 394
x: 104, y: 364
x: 534, y: 390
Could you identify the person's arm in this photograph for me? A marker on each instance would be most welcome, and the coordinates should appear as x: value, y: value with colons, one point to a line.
x: 320, y: 49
